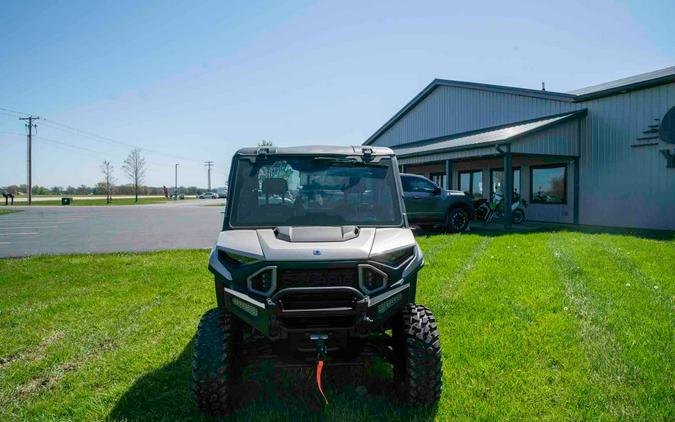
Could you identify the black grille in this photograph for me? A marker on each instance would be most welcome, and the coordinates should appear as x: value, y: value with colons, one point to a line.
x: 317, y: 301
x: 317, y: 278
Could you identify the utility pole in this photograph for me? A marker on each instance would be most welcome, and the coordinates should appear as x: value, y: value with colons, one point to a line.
x: 176, y: 191
x: 30, y: 125
x: 209, y: 164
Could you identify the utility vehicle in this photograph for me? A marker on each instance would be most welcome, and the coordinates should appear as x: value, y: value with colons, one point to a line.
x: 315, y: 265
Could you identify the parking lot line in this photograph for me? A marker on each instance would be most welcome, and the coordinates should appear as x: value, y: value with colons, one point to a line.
x: 17, y: 234
x: 12, y: 223
x: 27, y: 228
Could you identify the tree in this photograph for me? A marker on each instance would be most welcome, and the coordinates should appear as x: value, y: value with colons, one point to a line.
x: 265, y: 143
x: 108, y: 180
x: 134, y: 167
x: 558, y: 188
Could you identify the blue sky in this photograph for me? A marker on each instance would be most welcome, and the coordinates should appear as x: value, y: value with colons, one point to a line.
x: 193, y: 81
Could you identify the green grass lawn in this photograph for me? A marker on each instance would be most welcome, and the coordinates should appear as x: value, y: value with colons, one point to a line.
x: 5, y: 211
x: 99, y: 201
x: 554, y: 325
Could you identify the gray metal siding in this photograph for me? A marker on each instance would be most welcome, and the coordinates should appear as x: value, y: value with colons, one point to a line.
x: 452, y: 155
x: 621, y: 185
x: 557, y: 140
x: 449, y: 110
x: 562, y: 139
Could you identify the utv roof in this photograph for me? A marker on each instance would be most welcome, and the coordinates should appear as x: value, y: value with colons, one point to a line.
x: 317, y: 150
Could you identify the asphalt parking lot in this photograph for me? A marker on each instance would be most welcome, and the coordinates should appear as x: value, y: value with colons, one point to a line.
x: 84, y: 229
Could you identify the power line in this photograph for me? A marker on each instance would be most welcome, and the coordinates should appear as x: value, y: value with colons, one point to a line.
x: 8, y: 110
x: 61, y: 126
x: 64, y: 127
x: 97, y: 153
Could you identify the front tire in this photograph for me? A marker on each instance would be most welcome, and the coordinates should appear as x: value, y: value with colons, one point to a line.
x: 457, y: 220
x: 517, y: 216
x: 418, y: 368
x: 213, y: 373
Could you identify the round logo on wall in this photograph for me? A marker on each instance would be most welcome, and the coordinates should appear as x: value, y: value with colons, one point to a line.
x: 667, y: 129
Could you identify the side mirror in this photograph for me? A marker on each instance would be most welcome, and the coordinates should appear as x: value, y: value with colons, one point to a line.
x: 436, y: 191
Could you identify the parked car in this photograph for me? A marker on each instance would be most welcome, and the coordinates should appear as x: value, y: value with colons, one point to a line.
x: 222, y: 192
x: 429, y: 205
x: 208, y: 195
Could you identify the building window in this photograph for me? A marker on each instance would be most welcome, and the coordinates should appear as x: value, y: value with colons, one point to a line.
x: 548, y: 184
x: 497, y: 182
x: 471, y: 182
x: 439, y: 179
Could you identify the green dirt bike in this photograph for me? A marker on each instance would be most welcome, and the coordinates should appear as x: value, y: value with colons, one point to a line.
x: 495, y: 209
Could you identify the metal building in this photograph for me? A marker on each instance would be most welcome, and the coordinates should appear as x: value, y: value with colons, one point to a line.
x: 603, y: 155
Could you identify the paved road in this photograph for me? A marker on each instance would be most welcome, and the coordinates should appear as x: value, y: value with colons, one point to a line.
x: 62, y: 230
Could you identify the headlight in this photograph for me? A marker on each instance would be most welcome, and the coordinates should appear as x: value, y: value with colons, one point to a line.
x: 263, y: 281
x: 235, y: 259
x: 396, y: 258
x: 371, y: 279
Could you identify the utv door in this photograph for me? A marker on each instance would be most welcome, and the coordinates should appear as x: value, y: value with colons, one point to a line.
x: 423, y: 201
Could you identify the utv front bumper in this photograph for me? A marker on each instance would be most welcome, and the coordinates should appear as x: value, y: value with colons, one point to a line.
x: 351, y: 310
x: 295, y: 307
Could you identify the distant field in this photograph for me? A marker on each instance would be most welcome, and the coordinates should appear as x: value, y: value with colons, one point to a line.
x: 98, y: 201
x: 555, y: 326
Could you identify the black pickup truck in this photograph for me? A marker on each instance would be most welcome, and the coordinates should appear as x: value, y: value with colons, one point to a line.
x: 428, y: 205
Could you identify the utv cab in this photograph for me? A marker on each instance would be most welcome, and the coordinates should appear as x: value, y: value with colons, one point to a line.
x: 315, y: 265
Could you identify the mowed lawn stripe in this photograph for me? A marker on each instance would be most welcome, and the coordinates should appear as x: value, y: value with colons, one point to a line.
x: 92, y: 322
x: 112, y: 334
x: 445, y: 266
x: 512, y: 351
x: 627, y: 326
x: 144, y: 348
x: 653, y: 258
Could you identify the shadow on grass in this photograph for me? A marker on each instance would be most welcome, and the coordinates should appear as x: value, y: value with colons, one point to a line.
x: 494, y: 230
x: 270, y: 394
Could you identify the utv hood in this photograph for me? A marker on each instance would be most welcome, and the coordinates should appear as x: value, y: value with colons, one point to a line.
x: 315, y: 243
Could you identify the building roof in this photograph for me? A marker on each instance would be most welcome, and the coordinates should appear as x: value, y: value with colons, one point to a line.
x: 631, y: 83
x: 644, y: 80
x: 487, y: 137
x: 316, y: 150
x: 534, y: 93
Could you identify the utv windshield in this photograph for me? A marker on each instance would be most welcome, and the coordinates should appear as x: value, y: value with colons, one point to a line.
x: 314, y: 191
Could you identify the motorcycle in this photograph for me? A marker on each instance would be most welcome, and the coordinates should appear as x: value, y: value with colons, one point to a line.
x: 487, y: 211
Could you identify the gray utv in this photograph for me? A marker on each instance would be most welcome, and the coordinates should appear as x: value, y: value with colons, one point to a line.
x: 315, y: 264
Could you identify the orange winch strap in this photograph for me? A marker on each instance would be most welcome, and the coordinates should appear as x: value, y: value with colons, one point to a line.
x: 319, y: 369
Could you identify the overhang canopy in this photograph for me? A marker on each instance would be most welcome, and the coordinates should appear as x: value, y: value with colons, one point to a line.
x: 555, y: 135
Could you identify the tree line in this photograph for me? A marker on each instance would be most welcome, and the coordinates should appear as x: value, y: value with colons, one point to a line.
x: 133, y: 167
x: 98, y: 189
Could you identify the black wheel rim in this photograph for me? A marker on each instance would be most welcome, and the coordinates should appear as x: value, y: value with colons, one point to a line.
x: 458, y: 220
